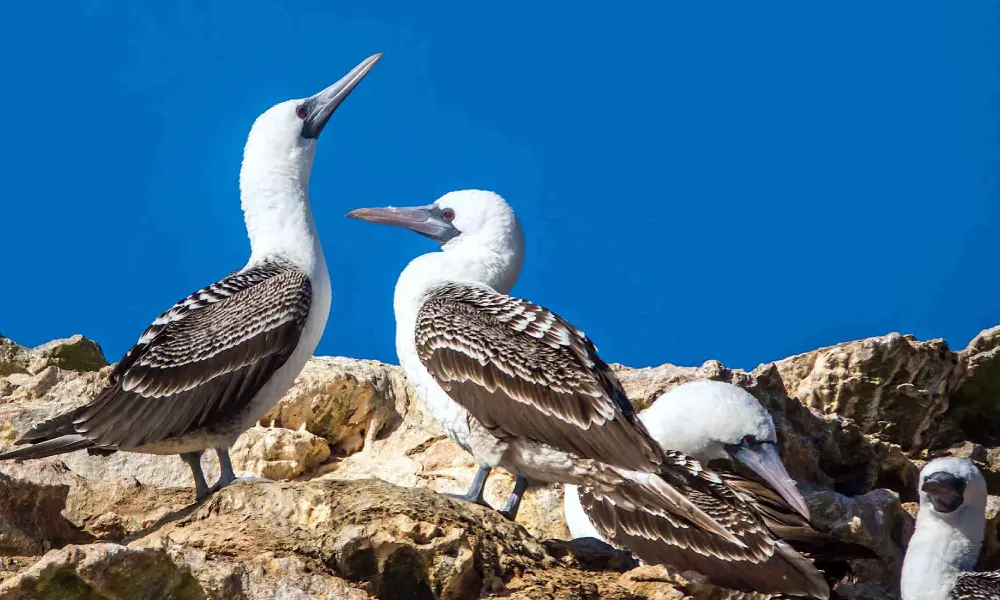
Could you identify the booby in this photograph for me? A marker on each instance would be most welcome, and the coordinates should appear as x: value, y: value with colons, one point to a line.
x: 951, y: 524
x: 213, y: 364
x: 717, y: 423
x: 519, y: 387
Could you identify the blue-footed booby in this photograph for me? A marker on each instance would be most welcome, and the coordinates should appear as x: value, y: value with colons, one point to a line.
x: 951, y: 524
x: 214, y: 363
x: 519, y: 387
x: 717, y: 423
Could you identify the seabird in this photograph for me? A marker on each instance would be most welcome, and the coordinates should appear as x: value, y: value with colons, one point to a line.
x: 211, y: 366
x: 951, y: 524
x: 519, y: 387
x: 719, y: 423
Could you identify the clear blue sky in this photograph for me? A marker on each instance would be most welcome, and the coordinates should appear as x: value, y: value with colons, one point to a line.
x: 696, y: 179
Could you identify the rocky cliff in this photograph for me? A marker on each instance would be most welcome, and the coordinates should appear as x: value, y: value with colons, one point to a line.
x: 356, y: 460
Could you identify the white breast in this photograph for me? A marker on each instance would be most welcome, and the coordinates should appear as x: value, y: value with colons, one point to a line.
x: 578, y: 522
x: 279, y: 383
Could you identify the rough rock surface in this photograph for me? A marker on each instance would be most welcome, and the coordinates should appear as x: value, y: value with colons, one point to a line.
x: 357, y: 458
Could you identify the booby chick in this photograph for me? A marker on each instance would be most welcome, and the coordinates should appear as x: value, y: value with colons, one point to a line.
x: 717, y: 423
x: 951, y: 524
x: 519, y: 387
x: 211, y: 366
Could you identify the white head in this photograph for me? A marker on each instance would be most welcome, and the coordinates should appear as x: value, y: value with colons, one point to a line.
x: 481, y: 237
x: 712, y: 420
x: 278, y: 158
x: 950, y: 527
x: 954, y: 490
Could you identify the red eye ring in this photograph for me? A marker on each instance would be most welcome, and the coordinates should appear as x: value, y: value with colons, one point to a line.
x: 448, y: 214
x: 301, y: 112
x: 750, y: 441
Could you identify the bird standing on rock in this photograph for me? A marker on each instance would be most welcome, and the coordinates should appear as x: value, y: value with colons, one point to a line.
x: 718, y: 423
x: 519, y: 387
x: 218, y: 360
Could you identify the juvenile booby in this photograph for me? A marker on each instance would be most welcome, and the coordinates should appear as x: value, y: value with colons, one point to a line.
x: 951, y: 524
x: 218, y: 360
x: 716, y: 423
x: 519, y: 387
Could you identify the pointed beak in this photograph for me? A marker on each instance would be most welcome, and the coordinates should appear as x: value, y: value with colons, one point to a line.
x: 765, y: 461
x: 321, y: 106
x: 425, y: 220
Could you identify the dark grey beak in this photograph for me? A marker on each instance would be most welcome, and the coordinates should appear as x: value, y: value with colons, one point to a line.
x: 425, y: 220
x: 765, y: 461
x: 320, y: 107
x: 945, y: 491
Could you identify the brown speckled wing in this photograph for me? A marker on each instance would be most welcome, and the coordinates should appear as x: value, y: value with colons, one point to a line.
x: 199, y: 363
x: 524, y: 372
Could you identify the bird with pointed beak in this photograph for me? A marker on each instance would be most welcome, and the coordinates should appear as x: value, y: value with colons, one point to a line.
x: 213, y: 364
x: 519, y: 387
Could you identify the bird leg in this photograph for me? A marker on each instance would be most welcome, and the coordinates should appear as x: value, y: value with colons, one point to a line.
x: 514, y: 500
x: 475, y: 493
x: 226, y: 475
x: 193, y: 460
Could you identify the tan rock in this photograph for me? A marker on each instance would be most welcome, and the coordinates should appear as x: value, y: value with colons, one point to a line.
x: 345, y: 401
x: 75, y: 353
x: 277, y: 453
x: 104, y: 571
x: 13, y: 357
x: 891, y: 385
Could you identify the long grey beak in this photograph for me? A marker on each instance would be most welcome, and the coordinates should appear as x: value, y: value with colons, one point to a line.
x: 765, y: 461
x: 320, y: 107
x: 425, y: 220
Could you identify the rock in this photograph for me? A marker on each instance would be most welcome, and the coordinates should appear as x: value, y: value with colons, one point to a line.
x: 852, y: 419
x: 347, y: 402
x: 75, y: 353
x: 974, y: 412
x: 892, y: 385
x: 104, y: 571
x: 13, y: 358
x: 31, y: 520
x: 277, y: 453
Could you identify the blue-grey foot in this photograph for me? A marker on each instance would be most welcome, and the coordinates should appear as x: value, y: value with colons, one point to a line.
x: 514, y: 500
x: 193, y: 460
x: 226, y: 474
x: 477, y: 489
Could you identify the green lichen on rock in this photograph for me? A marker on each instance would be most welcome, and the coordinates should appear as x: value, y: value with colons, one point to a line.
x: 76, y: 353
x: 13, y: 358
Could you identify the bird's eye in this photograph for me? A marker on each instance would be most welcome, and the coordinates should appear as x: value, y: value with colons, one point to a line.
x: 749, y: 441
x: 301, y: 111
x: 448, y: 214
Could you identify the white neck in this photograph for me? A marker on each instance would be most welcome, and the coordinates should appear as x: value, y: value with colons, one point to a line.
x: 275, y: 200
x: 942, y: 546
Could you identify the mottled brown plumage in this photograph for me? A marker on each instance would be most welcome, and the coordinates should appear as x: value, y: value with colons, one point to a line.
x: 195, y: 368
x: 983, y: 585
x: 525, y: 373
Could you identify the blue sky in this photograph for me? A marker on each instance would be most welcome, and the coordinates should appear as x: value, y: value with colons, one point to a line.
x: 696, y: 180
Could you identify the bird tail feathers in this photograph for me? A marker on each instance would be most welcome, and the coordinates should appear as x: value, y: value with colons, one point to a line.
x: 659, y: 497
x: 59, y: 445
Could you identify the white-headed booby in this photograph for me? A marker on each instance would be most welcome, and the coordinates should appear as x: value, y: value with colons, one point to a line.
x: 218, y: 360
x: 951, y: 524
x: 716, y: 421
x: 519, y: 387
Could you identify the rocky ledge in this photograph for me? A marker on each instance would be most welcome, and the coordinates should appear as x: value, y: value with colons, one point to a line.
x: 356, y: 460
